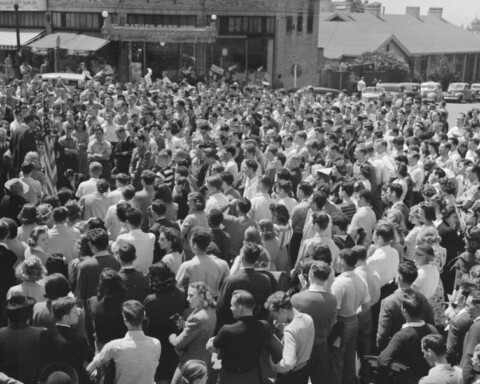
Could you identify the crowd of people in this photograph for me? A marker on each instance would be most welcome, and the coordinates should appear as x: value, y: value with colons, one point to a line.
x: 212, y: 232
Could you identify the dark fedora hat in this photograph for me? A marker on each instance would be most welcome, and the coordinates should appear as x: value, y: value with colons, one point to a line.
x: 19, y: 302
x: 58, y: 373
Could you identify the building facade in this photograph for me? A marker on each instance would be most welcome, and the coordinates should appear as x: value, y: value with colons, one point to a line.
x: 256, y: 39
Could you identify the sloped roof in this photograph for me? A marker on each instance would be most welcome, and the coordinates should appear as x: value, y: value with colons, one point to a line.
x: 361, y: 32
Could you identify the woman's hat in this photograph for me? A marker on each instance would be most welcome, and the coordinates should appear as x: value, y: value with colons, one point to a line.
x: 17, y: 186
x: 19, y: 302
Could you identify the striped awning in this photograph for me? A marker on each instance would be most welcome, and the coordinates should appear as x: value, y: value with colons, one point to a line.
x: 75, y: 43
x: 8, y: 37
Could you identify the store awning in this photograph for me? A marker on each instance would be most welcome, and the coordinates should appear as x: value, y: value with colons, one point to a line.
x: 75, y: 43
x: 8, y: 37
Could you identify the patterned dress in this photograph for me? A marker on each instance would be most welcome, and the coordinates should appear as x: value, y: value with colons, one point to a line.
x: 285, y: 233
x: 438, y: 299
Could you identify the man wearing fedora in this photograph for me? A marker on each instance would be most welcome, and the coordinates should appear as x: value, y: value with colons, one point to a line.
x: 19, y: 342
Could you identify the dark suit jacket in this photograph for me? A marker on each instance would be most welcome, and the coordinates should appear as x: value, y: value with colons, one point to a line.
x: 22, y: 141
x: 61, y: 344
x: 458, y: 328
x: 8, y: 259
x: 136, y: 284
x: 391, y: 319
x: 472, y: 338
x: 19, y: 352
x: 321, y: 306
x: 405, y: 348
x: 89, y: 273
x: 250, y: 280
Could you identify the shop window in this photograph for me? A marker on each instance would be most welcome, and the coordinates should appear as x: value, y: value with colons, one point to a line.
x: 77, y: 21
x: 300, y: 23
x: 289, y: 27
x: 310, y: 25
x: 137, y: 18
x: 25, y: 19
x: 246, y: 25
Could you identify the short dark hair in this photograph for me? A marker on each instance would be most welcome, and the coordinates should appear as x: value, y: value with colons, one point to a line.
x: 413, y: 305
x: 385, y: 231
x: 128, y: 192
x: 227, y: 177
x: 133, y: 216
x: 408, y: 271
x: 278, y: 300
x: 244, y: 205
x: 341, y: 221
x: 251, y: 164
x: 215, y: 181
x: 348, y: 257
x: 215, y: 218
x: 360, y: 252
x: 321, y: 270
x: 319, y: 198
x: 63, y: 306
x: 133, y: 312
x: 306, y: 188
x: 321, y: 219
x: 244, y: 298
x: 348, y: 187
x: 397, y: 189
x: 127, y: 253
x: 158, y: 206
x: 3, y: 229
x: 98, y: 237
x: 56, y: 285
x: 201, y: 238
x: 436, y: 343
x: 60, y: 214
x: 250, y: 253
x: 366, y: 195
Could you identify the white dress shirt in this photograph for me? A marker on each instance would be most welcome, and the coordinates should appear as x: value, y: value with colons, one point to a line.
x: 385, y: 262
x: 143, y: 243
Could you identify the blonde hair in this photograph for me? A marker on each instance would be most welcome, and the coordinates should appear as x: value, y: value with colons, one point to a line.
x: 428, y: 235
x: 31, y: 269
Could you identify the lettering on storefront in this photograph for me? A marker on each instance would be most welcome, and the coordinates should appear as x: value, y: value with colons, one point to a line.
x: 162, y: 33
x: 24, y: 5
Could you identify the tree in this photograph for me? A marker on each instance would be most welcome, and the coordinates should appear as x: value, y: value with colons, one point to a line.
x: 443, y: 70
x: 395, y: 68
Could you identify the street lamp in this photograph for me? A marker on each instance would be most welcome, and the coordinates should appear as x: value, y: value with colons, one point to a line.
x: 16, y: 4
x: 214, y: 18
x: 56, y: 51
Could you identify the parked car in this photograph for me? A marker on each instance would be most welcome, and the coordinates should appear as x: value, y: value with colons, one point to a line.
x: 475, y: 91
x: 373, y: 93
x: 411, y: 89
x: 432, y: 91
x: 458, y: 92
x: 392, y: 89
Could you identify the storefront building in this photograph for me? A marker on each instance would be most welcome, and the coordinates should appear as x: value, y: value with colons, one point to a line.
x: 256, y: 39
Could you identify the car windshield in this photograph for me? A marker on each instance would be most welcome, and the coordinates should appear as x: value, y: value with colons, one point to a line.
x: 429, y: 86
x: 372, y: 90
x: 456, y: 87
x: 475, y: 86
x: 392, y: 88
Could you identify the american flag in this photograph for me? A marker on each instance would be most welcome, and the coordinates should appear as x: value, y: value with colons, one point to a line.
x: 50, y: 158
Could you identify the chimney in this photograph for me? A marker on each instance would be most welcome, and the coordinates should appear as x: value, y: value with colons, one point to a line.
x: 374, y: 9
x: 413, y: 11
x: 435, y: 12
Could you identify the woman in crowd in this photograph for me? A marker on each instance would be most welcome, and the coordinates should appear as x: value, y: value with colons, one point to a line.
x: 82, y: 136
x: 270, y: 241
x: 199, y: 327
x: 196, y: 218
x: 162, y: 192
x: 56, y: 286
x: 30, y: 273
x: 38, y: 244
x: 83, y: 251
x: 166, y: 303
x: 171, y: 241
x: 104, y: 313
x: 194, y: 372
x: 28, y: 217
x: 429, y: 236
x: 17, y: 246
x: 428, y: 273
x: 283, y: 227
